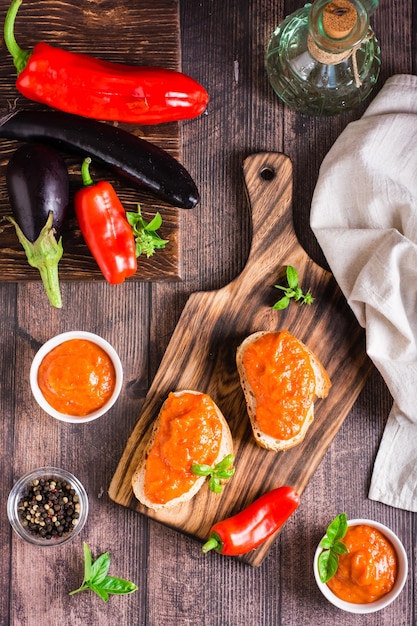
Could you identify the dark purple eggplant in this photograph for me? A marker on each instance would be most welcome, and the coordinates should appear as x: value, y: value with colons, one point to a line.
x: 37, y: 183
x: 139, y: 161
x: 38, y: 187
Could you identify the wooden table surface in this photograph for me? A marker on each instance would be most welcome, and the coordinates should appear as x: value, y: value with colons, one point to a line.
x: 222, y: 46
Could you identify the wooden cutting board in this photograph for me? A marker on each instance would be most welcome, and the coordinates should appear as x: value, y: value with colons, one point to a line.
x: 201, y: 356
x: 119, y: 31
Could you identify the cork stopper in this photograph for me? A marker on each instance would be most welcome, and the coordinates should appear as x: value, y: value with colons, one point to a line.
x: 339, y: 18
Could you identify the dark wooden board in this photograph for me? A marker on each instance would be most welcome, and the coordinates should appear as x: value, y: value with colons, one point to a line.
x: 201, y: 356
x: 114, y: 31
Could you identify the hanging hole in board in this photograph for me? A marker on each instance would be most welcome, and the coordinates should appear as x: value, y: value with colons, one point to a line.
x: 267, y: 173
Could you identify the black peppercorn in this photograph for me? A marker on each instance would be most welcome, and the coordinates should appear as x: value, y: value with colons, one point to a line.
x: 49, y: 507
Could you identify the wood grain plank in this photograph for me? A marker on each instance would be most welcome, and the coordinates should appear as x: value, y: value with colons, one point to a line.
x: 7, y: 383
x: 113, y: 31
x: 90, y: 451
x: 201, y: 356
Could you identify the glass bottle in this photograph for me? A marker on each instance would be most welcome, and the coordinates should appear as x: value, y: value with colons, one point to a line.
x: 324, y: 58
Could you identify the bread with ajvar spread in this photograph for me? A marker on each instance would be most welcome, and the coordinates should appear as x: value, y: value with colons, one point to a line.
x: 290, y: 387
x: 221, y: 438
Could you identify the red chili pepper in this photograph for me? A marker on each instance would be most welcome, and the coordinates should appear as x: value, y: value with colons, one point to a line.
x: 249, y: 528
x: 104, y: 226
x: 84, y: 85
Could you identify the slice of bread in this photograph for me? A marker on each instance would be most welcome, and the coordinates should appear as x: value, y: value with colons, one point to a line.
x: 285, y: 390
x: 225, y: 447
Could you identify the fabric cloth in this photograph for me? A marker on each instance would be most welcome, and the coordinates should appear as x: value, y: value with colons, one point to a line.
x: 364, y: 215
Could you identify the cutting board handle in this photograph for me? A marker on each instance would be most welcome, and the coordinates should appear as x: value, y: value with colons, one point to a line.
x: 268, y: 182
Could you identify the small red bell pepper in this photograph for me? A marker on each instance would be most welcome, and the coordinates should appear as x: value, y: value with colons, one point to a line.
x: 252, y: 526
x: 86, y: 86
x: 104, y: 226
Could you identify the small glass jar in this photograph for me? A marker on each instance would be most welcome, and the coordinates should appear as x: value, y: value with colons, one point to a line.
x: 317, y: 67
x: 19, y: 508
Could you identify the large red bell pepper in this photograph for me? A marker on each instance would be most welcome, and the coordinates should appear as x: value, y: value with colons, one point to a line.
x: 104, y: 226
x: 84, y: 85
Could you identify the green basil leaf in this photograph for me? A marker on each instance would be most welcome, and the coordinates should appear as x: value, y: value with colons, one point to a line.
x: 292, y: 277
x: 136, y: 222
x: 339, y: 547
x: 225, y: 463
x: 225, y: 474
x: 332, y: 565
x: 282, y: 303
x: 343, y: 526
x: 337, y: 528
x: 115, y: 585
x: 201, y: 469
x: 100, y: 592
x: 322, y: 565
x: 131, y: 218
x: 99, y: 569
x: 155, y: 223
x: 326, y: 543
x: 215, y: 485
x: 327, y: 565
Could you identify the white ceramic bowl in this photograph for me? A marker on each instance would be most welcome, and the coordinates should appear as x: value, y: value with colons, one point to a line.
x: 19, y: 493
x: 57, y: 340
x: 382, y: 602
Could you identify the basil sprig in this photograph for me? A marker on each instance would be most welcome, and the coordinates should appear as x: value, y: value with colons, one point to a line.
x: 221, y: 471
x: 328, y: 560
x: 292, y: 291
x: 97, y: 580
x: 146, y: 238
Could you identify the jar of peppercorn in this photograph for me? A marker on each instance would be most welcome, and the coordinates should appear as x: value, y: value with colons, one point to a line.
x: 47, y: 506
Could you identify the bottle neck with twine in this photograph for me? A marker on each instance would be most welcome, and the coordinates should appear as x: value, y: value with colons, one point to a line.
x: 338, y: 20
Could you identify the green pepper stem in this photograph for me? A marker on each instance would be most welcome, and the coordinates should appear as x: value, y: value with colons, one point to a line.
x: 85, y: 173
x: 44, y: 254
x: 20, y: 57
x: 211, y: 544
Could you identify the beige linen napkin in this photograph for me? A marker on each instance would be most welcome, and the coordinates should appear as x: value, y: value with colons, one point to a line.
x: 364, y: 215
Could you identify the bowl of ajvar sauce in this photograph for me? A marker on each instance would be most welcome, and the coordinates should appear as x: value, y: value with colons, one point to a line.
x: 76, y: 376
x: 371, y: 574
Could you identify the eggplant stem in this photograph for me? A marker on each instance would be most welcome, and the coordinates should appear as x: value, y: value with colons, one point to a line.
x: 50, y: 280
x: 44, y: 254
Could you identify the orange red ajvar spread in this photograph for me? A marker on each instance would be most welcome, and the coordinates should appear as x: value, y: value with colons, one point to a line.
x: 368, y: 571
x: 278, y: 370
x: 189, y: 432
x: 77, y: 377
